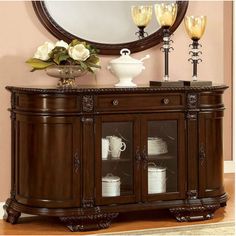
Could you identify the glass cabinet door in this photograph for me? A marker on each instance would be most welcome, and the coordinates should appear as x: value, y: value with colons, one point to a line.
x: 163, y: 156
x: 117, y: 172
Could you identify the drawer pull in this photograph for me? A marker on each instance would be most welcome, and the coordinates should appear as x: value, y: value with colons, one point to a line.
x: 115, y: 102
x: 166, y: 101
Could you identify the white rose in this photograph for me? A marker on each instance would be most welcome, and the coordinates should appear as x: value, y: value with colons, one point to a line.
x: 43, y: 51
x: 79, y: 52
x: 61, y: 43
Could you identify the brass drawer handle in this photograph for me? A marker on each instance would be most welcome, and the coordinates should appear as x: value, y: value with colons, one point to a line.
x: 115, y: 102
x: 166, y: 101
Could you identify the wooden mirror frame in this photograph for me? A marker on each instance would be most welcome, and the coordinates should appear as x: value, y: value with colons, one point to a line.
x: 104, y: 48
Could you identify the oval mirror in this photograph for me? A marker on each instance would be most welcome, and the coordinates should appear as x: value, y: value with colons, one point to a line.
x: 107, y: 25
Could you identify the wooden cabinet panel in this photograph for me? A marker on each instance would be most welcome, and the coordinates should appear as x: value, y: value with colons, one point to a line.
x: 126, y: 166
x: 48, y: 103
x: 211, y: 153
x: 118, y: 102
x: 47, y: 149
x: 165, y: 129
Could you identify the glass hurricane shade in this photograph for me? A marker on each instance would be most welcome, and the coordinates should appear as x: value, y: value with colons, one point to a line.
x: 166, y: 14
x: 195, y: 26
x: 141, y: 15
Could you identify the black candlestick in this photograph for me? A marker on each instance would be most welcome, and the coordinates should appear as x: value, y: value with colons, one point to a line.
x: 141, y: 33
x: 195, y: 59
x: 166, y: 49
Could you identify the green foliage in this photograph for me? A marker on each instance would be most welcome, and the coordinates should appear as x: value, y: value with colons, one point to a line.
x: 59, y: 55
x: 39, y: 64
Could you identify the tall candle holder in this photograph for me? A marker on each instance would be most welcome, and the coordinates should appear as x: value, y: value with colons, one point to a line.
x: 195, y: 27
x: 141, y: 16
x: 166, y: 16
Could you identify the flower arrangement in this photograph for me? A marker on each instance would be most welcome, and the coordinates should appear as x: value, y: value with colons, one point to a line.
x: 61, y: 53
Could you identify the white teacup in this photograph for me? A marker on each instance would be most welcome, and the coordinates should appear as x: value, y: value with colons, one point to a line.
x: 116, y: 146
x: 105, y: 148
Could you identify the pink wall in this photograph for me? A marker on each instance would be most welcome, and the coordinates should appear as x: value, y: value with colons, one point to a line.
x: 21, y: 33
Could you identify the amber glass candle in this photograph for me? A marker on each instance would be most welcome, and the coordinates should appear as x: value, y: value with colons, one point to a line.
x: 195, y: 26
x: 141, y: 15
x: 166, y: 14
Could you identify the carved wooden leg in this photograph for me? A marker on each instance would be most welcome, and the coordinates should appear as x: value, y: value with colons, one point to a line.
x: 10, y: 215
x: 89, y: 222
x: 192, y: 213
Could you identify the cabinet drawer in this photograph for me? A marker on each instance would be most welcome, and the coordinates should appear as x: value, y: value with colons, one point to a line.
x: 139, y: 102
x: 49, y: 103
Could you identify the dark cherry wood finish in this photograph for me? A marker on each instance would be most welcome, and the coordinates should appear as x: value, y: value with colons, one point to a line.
x: 56, y: 146
x: 135, y: 46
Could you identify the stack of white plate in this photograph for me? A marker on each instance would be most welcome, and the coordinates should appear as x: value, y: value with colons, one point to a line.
x: 156, y: 146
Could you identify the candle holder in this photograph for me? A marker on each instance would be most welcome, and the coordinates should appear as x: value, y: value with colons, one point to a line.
x: 141, y: 16
x: 166, y: 16
x: 195, y: 27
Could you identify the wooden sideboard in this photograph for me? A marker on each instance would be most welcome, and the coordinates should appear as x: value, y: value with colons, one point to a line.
x: 57, y: 167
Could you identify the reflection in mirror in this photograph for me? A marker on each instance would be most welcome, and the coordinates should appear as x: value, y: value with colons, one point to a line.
x: 103, y: 21
x: 142, y: 16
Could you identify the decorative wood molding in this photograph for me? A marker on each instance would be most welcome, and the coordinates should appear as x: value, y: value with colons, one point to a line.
x: 10, y: 214
x: 87, y: 103
x: 192, y: 194
x: 99, y: 90
x: 76, y: 162
x: 191, y: 115
x: 94, y: 221
x: 87, y: 120
x: 192, y: 100
x: 192, y: 213
x: 202, y: 154
x: 87, y: 203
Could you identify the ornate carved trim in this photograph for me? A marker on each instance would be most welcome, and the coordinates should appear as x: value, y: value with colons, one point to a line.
x: 76, y: 162
x: 87, y: 103
x: 89, y: 222
x: 192, y: 213
x: 192, y: 194
x: 192, y: 100
x: 10, y: 214
x: 113, y: 89
x: 87, y: 120
x: 87, y: 203
x: 202, y: 154
x: 191, y: 115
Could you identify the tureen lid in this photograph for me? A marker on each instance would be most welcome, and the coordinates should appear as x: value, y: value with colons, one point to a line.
x: 125, y: 57
x: 110, y: 178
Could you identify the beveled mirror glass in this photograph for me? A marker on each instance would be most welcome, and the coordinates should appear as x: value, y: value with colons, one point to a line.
x: 108, y: 25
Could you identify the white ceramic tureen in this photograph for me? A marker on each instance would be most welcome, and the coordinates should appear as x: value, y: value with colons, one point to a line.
x: 125, y: 68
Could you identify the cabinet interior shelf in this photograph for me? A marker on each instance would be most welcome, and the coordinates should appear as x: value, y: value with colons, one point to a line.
x: 165, y: 156
x: 117, y: 160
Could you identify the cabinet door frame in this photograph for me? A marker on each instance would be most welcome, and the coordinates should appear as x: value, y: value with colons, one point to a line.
x: 136, y: 196
x: 75, y: 199
x: 182, y: 184
x: 210, y: 161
